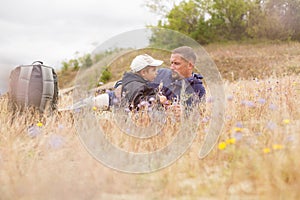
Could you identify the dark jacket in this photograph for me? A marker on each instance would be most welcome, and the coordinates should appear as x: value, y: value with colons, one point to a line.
x: 194, y: 90
x: 135, y: 89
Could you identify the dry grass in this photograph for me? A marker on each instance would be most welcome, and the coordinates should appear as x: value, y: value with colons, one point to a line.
x: 260, y: 163
x: 237, y: 61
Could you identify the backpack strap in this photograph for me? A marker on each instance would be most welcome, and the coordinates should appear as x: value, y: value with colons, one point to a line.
x: 48, y: 87
x: 23, y: 83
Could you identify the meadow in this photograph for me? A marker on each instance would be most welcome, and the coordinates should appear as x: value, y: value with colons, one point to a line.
x: 256, y: 157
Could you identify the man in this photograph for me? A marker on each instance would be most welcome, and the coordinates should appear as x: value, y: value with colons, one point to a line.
x: 180, y: 79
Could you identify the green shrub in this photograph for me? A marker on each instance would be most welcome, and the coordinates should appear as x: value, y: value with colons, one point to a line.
x: 105, y: 76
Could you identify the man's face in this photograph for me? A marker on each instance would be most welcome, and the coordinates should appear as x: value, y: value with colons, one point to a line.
x: 180, y: 67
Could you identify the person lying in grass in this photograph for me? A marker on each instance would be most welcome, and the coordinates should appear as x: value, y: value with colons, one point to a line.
x: 137, y: 89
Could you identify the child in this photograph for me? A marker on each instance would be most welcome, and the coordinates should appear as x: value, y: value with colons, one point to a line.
x: 136, y: 87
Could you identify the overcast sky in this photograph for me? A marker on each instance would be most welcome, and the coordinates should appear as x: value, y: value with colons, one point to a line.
x: 54, y: 30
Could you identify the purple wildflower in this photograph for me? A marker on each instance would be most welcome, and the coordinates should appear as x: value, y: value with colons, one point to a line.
x: 61, y: 126
x: 210, y: 100
x: 249, y: 104
x: 77, y: 110
x: 56, y: 141
x: 128, y: 130
x: 228, y: 117
x: 230, y: 98
x: 115, y: 101
x: 261, y: 101
x: 273, y: 107
x: 33, y: 131
x: 271, y: 125
x: 290, y: 138
x: 205, y: 119
x: 239, y: 124
x: 258, y: 133
x: 238, y: 135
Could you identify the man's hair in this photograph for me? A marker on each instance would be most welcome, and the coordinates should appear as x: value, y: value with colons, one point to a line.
x: 186, y: 53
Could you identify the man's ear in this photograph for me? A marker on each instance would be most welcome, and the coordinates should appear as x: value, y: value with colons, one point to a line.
x: 191, y: 66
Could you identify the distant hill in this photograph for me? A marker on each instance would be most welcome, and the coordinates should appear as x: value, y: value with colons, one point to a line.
x: 66, y: 78
x: 235, y: 61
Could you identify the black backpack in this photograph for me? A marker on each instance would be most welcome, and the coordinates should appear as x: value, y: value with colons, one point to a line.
x: 34, y: 85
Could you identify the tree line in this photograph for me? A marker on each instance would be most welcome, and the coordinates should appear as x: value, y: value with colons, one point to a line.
x: 209, y: 21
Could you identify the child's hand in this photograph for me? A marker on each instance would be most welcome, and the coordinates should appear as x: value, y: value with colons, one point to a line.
x: 162, y: 99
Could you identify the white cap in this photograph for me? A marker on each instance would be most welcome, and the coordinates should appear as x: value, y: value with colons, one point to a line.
x: 142, y: 61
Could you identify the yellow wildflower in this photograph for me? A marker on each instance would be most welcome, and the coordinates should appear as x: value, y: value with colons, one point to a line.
x: 277, y: 146
x: 286, y: 121
x: 94, y: 108
x: 222, y: 145
x: 39, y: 124
x: 238, y: 129
x: 30, y: 154
x: 230, y: 141
x: 294, y: 83
x: 266, y: 150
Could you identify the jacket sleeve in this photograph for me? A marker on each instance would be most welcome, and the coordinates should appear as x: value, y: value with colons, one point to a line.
x: 199, y: 88
x: 202, y: 92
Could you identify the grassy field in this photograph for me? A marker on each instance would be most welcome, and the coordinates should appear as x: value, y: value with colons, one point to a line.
x: 257, y: 155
